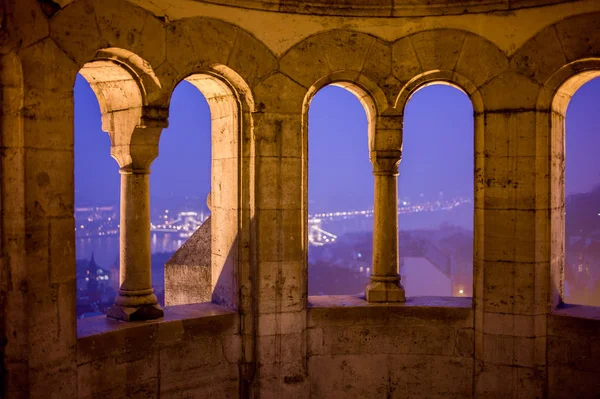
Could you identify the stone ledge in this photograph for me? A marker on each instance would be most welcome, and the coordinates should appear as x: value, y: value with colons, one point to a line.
x: 578, y: 311
x: 101, y: 337
x: 193, y: 312
x: 342, y: 309
x: 340, y: 301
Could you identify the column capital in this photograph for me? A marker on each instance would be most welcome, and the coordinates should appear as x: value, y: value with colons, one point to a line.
x: 385, y: 163
x: 135, y: 151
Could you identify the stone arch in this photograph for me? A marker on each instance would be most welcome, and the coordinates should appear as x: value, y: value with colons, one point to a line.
x: 570, y: 40
x: 473, y: 59
x: 453, y: 79
x: 215, y: 44
x: 140, y: 69
x: 384, y: 144
x: 552, y: 104
x: 357, y: 55
x: 121, y: 80
x: 133, y: 126
x: 231, y: 103
x: 465, y: 85
x: 123, y: 83
x: 368, y: 93
x: 84, y: 26
x: 125, y: 41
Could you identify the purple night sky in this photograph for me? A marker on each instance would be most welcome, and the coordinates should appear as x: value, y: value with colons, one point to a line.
x: 437, y: 154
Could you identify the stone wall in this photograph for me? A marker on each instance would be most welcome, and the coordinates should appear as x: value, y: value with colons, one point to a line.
x: 259, y: 70
x: 421, y: 349
x: 193, y: 353
x: 187, y: 273
x: 573, y: 352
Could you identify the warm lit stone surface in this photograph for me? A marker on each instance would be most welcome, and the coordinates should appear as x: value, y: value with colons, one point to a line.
x: 193, y: 352
x: 258, y: 64
x: 402, y: 350
x: 187, y: 273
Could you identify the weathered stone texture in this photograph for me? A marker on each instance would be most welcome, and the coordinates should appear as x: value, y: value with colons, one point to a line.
x: 193, y: 351
x: 573, y: 350
x: 259, y: 63
x: 187, y: 273
x: 360, y: 350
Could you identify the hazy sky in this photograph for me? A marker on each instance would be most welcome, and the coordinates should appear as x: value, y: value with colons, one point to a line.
x: 437, y: 156
x: 583, y: 139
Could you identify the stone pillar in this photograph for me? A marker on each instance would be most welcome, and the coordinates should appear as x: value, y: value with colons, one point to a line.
x: 384, y: 285
x: 135, y: 299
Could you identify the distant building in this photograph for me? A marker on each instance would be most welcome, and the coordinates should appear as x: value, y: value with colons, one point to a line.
x: 95, y: 290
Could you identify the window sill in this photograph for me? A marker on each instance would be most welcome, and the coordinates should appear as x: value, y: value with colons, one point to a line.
x: 355, y: 309
x: 173, y: 314
x: 340, y: 301
x: 578, y: 311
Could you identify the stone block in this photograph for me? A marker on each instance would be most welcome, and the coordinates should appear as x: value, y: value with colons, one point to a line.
x: 306, y: 62
x: 438, y: 49
x: 138, y: 313
x: 377, y: 65
x: 78, y: 19
x: 59, y: 69
x: 279, y: 135
x: 225, y: 184
x: 280, y: 94
x: 480, y: 60
x: 510, y: 91
x: 498, y: 287
x: 348, y: 376
x: 280, y: 183
x: 251, y: 59
x: 269, y: 225
x: 225, y: 137
x: 109, y: 375
x: 579, y: 37
x: 224, y: 281
x: 540, y: 57
x: 405, y: 64
x: 388, y: 140
x: 31, y: 22
x: 50, y: 184
x: 494, y: 381
x: 377, y: 291
x: 224, y: 232
x: 512, y: 134
x: 55, y: 380
x: 61, y: 251
x: 281, y: 323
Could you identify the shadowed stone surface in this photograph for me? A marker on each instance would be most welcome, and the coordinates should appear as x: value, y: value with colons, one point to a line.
x: 258, y: 64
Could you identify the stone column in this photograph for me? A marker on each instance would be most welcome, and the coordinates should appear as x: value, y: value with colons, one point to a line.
x: 385, y: 281
x: 136, y: 299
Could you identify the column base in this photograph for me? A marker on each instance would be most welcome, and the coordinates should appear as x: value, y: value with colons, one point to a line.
x: 385, y: 289
x: 138, y: 313
x: 135, y: 306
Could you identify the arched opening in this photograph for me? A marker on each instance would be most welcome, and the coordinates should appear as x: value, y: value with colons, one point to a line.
x: 104, y: 94
x: 121, y: 82
x: 435, y: 193
x: 181, y: 181
x: 579, y: 100
x: 205, y: 268
x: 340, y: 193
